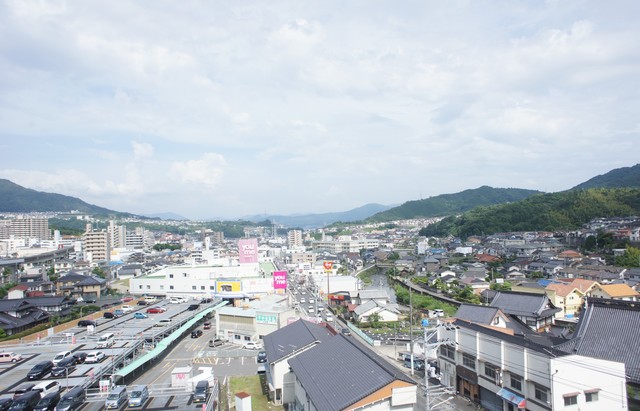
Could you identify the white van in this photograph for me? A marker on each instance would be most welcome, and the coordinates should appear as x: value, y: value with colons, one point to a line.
x: 106, y: 340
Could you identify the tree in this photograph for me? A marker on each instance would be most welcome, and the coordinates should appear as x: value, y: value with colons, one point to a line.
x: 97, y: 271
x: 630, y: 258
x: 374, y: 320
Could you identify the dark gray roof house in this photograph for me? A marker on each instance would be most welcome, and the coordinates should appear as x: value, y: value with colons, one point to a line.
x: 341, y: 374
x: 19, y: 315
x: 609, y: 330
x: 534, y: 310
x: 295, y: 337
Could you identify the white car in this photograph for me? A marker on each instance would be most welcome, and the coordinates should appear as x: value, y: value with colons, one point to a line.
x: 61, y: 356
x: 94, y: 357
x: 126, y: 308
x: 252, y: 345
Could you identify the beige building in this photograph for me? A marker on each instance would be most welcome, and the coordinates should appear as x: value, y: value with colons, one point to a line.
x: 615, y: 292
x: 566, y: 297
x: 96, y: 245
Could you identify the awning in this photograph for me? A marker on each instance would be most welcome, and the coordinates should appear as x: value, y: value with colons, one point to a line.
x: 512, y: 398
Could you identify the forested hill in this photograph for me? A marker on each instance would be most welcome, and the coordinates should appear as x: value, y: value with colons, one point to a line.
x: 17, y: 199
x: 546, y: 212
x: 619, y: 177
x: 448, y: 204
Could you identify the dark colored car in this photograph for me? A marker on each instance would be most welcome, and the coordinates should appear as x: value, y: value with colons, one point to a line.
x: 108, y: 314
x: 207, y: 325
x: 86, y: 323
x: 196, y: 333
x: 48, y: 402
x: 40, y: 370
x: 206, y: 300
x: 5, y: 403
x: 193, y: 307
x: 64, y: 367
x: 346, y: 331
x: 142, y: 302
x: 262, y: 356
x: 80, y: 356
x: 26, y: 402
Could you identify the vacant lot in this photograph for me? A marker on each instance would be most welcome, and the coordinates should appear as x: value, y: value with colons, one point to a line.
x: 252, y: 386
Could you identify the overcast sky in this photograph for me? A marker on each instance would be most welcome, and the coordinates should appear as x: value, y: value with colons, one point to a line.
x: 216, y: 109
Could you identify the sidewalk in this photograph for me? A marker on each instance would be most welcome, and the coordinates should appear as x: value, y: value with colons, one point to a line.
x: 458, y: 403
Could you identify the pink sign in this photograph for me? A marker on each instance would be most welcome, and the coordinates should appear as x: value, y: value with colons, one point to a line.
x: 279, y: 280
x: 248, y: 250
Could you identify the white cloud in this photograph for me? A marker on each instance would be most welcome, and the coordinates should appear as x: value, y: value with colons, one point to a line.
x: 205, y: 171
x: 142, y: 150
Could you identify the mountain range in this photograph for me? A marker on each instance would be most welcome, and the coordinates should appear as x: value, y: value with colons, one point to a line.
x: 17, y: 199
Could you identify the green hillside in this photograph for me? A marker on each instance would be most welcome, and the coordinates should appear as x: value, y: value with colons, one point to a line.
x: 17, y: 199
x: 619, y: 177
x: 448, y: 204
x: 545, y: 212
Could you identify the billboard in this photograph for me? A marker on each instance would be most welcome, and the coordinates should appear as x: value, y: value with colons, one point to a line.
x: 228, y: 286
x: 248, y: 250
x: 279, y: 280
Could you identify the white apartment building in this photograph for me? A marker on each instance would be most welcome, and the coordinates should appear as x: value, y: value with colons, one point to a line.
x: 96, y: 245
x: 345, y: 245
x: 504, y: 372
x: 294, y: 238
x: 26, y: 227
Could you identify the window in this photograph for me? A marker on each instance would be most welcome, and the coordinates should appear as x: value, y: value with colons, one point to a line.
x: 162, y: 287
x: 570, y: 399
x: 516, y: 382
x: 496, y: 320
x: 211, y: 287
x: 491, y: 371
x: 171, y: 287
x: 185, y: 275
x: 541, y: 393
x: 469, y: 361
x: 170, y: 275
x: 448, y: 351
x: 148, y: 287
x: 140, y: 287
x: 591, y: 396
x: 193, y: 287
x: 202, y: 287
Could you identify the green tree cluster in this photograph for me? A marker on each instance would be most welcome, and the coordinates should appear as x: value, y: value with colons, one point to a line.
x: 630, y: 258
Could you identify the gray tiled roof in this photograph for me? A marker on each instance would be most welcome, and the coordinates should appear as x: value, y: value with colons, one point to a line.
x: 294, y: 337
x: 478, y: 314
x: 523, y: 304
x: 341, y: 371
x: 609, y: 330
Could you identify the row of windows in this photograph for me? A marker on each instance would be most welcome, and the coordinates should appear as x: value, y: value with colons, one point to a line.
x: 541, y: 393
x: 193, y: 287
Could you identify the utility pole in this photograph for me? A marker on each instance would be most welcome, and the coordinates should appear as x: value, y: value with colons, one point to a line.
x: 429, y: 333
x: 410, y: 329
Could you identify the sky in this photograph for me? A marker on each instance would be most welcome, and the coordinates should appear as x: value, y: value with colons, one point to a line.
x: 212, y: 109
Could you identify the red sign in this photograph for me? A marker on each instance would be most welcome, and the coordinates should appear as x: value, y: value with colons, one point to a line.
x: 328, y: 265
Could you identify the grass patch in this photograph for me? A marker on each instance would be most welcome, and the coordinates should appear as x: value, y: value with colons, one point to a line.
x: 251, y: 385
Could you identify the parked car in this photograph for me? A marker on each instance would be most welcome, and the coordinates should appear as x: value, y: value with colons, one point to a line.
x: 201, y: 392
x: 86, y: 323
x: 156, y: 310
x: 139, y: 395
x: 126, y: 308
x: 94, y: 357
x: 140, y: 316
x: 118, y: 313
x: 80, y: 356
x: 61, y: 356
x: 26, y: 387
x: 196, y: 333
x: 48, y: 402
x: 117, y: 397
x: 72, y: 400
x: 193, y: 307
x: 207, y: 325
x: 64, y: 367
x: 40, y: 370
x: 126, y: 299
x: 26, y: 402
x: 108, y: 314
x: 10, y: 357
x: 206, y: 300
x: 252, y: 345
x: 5, y: 403
x: 262, y: 356
x: 47, y: 387
x: 163, y: 323
x: 217, y: 342
x: 142, y: 302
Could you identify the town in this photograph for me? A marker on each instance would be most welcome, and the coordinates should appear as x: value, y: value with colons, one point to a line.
x: 376, y: 314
